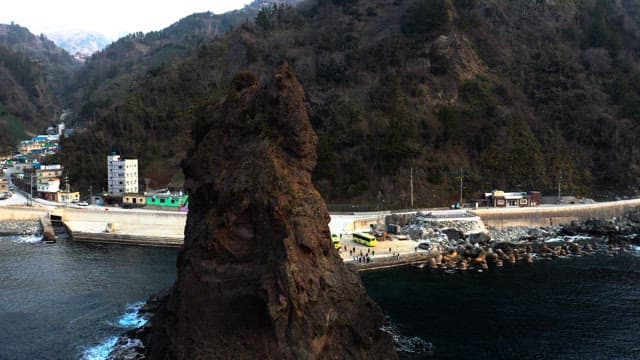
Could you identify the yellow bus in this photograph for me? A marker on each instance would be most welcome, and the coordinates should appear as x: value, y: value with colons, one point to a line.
x: 365, y: 239
x: 335, y: 240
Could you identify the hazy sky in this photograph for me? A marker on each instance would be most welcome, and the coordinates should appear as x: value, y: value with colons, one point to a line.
x: 110, y: 17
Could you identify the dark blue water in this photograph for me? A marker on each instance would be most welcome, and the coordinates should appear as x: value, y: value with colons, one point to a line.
x: 575, y: 308
x: 70, y: 300
x: 61, y: 301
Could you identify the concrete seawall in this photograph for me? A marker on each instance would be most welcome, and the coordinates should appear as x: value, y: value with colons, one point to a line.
x: 22, y: 213
x: 553, y: 215
x: 165, y: 228
x: 134, y: 227
x: 110, y: 238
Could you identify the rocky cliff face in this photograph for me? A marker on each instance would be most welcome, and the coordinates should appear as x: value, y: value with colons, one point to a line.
x: 257, y: 276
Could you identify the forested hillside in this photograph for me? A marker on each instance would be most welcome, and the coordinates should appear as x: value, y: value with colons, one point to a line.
x: 515, y: 95
x: 33, y: 71
x: 107, y: 76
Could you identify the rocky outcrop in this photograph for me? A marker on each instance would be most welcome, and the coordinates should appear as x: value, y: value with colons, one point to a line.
x: 257, y: 276
x: 20, y: 227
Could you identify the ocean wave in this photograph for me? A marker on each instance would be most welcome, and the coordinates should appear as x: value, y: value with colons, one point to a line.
x: 100, y: 351
x: 132, y: 317
x: 129, y: 320
x: 405, y: 344
x: 568, y: 239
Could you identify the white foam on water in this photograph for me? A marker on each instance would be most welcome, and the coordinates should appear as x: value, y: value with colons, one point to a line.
x: 568, y: 239
x: 29, y: 239
x: 100, y: 351
x: 132, y: 317
x: 406, y: 344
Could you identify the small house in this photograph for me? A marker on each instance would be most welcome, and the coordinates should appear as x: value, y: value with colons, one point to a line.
x: 499, y: 198
x: 67, y: 197
x: 135, y: 200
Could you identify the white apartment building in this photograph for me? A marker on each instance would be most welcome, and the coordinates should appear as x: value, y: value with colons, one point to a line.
x: 122, y: 175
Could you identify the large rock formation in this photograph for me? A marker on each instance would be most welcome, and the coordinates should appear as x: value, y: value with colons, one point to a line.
x: 257, y: 276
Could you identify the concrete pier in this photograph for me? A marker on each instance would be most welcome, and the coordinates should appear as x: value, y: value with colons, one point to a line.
x: 48, y: 233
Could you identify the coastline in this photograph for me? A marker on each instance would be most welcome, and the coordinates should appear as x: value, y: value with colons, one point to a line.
x: 461, y: 251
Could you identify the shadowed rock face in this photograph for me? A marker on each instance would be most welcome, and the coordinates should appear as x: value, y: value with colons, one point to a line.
x: 257, y: 276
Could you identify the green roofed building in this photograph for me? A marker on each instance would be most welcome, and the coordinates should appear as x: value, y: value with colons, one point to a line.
x: 165, y: 200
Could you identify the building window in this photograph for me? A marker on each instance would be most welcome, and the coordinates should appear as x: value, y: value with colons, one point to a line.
x: 161, y: 201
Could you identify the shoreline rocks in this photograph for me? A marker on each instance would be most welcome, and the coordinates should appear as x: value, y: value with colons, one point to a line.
x: 20, y: 227
x: 450, y: 248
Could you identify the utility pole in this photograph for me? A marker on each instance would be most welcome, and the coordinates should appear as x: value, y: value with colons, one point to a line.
x: 559, y: 181
x: 412, y: 188
x: 31, y: 190
x: 460, y: 187
x: 66, y: 200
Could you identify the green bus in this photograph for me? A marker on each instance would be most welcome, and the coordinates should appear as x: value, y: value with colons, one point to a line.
x: 365, y: 239
x: 335, y: 240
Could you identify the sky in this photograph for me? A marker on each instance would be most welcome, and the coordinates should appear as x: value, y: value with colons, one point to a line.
x: 113, y: 18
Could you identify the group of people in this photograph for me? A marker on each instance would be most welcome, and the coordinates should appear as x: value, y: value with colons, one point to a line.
x: 362, y: 257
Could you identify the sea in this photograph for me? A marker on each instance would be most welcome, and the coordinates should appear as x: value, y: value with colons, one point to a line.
x: 71, y: 300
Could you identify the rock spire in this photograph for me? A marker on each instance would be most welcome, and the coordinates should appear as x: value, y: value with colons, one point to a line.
x: 258, y: 277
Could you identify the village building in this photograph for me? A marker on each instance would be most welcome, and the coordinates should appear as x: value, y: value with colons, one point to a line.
x: 499, y: 198
x: 67, y: 197
x: 4, y: 188
x: 48, y: 188
x: 39, y: 146
x: 167, y: 200
x: 135, y: 200
x: 122, y: 176
x: 46, y: 180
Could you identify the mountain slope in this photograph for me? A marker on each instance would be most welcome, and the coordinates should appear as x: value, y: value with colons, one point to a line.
x: 33, y: 72
x: 515, y: 95
x: 101, y: 81
x: 25, y: 97
x: 77, y: 42
x: 56, y: 63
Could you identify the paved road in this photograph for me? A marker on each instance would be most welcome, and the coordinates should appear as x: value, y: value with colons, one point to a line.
x: 15, y: 199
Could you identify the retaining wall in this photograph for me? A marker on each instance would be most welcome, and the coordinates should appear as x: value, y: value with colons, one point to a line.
x: 22, y: 213
x: 135, y: 217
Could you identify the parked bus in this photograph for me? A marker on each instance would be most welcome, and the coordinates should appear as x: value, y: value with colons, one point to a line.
x: 365, y: 239
x: 335, y: 240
